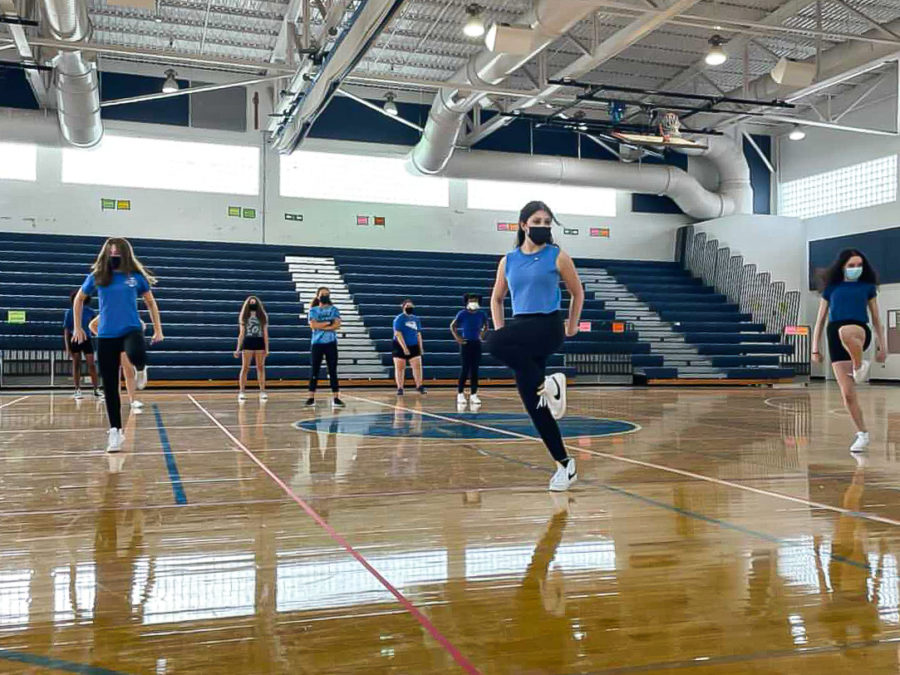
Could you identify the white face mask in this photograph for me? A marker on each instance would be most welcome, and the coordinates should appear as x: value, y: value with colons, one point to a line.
x: 472, y: 305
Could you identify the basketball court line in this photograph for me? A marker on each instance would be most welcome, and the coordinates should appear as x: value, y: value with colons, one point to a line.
x: 659, y: 467
x: 423, y: 620
x: 21, y: 398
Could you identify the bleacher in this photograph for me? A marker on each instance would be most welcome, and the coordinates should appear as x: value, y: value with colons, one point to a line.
x: 730, y: 342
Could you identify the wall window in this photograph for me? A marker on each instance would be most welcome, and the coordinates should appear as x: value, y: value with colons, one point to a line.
x: 577, y: 201
x: 18, y: 161
x: 853, y: 187
x: 359, y: 178
x: 153, y: 163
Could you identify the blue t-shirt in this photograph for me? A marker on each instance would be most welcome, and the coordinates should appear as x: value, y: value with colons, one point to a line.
x: 534, y: 281
x: 409, y: 326
x: 87, y: 315
x: 849, y: 300
x: 118, y: 302
x: 324, y: 313
x: 469, y: 324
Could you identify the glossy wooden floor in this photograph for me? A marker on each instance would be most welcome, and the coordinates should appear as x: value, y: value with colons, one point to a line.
x: 732, y: 533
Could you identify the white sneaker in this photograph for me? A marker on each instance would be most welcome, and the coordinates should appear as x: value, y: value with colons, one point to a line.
x: 242, y: 397
x: 859, y: 376
x: 553, y: 394
x: 263, y: 396
x: 137, y: 407
x: 564, y: 477
x: 861, y: 442
x: 140, y: 378
x: 460, y: 399
x: 78, y: 395
x: 114, y: 440
x: 474, y: 400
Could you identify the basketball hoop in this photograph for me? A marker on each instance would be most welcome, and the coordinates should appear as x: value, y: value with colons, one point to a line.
x: 669, y: 126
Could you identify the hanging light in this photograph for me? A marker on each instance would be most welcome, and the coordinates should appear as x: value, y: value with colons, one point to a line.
x: 797, y: 133
x: 171, y: 84
x: 579, y: 118
x: 474, y: 26
x: 716, y: 56
x: 389, y: 106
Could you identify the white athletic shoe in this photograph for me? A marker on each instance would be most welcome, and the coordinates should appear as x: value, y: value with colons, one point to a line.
x: 242, y: 397
x: 861, y: 442
x: 114, y: 440
x: 859, y: 376
x: 474, y: 400
x: 136, y: 406
x: 553, y: 394
x: 460, y: 399
x: 78, y: 395
x: 564, y: 477
x: 263, y: 396
x: 140, y: 378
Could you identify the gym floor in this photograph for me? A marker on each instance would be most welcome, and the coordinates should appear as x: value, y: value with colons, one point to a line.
x: 711, y: 531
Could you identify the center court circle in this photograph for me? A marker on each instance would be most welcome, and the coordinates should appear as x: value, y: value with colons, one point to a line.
x: 460, y: 426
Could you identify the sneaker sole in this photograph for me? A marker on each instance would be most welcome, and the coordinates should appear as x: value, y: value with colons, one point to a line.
x: 558, y: 415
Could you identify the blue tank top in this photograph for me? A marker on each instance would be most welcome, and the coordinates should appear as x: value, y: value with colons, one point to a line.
x: 534, y: 281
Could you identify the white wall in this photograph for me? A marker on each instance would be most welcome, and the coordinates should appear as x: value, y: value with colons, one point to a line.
x: 50, y: 206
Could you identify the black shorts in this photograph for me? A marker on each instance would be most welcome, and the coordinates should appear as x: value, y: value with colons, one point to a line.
x: 253, y: 344
x: 414, y: 351
x: 835, y: 347
x: 86, y: 347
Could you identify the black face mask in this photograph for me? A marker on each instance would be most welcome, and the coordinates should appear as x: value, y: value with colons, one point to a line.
x: 252, y: 307
x: 325, y: 299
x: 540, y: 235
x: 409, y: 309
x: 115, y: 262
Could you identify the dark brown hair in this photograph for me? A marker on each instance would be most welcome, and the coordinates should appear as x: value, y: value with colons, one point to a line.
x: 101, y: 270
x: 260, y: 311
x: 834, y: 273
x: 315, y: 301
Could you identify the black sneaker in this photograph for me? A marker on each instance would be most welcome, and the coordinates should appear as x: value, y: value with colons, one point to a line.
x: 399, y: 392
x: 421, y: 390
x: 310, y: 402
x: 338, y: 403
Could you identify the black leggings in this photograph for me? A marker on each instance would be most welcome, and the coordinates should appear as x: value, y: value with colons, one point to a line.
x: 109, y: 352
x: 470, y: 358
x: 524, y: 345
x: 330, y: 352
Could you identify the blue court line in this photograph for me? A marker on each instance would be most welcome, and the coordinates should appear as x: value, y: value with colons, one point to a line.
x: 174, y: 476
x: 55, y: 664
x: 669, y: 507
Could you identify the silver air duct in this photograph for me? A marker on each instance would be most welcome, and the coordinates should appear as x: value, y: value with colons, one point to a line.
x: 548, y: 20
x: 77, y: 82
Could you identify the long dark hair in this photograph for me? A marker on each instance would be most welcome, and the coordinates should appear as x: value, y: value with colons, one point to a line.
x: 260, y: 311
x: 834, y: 274
x: 527, y: 211
x: 130, y: 263
x: 315, y: 301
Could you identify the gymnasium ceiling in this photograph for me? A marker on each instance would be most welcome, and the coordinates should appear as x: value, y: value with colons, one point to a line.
x: 425, y: 41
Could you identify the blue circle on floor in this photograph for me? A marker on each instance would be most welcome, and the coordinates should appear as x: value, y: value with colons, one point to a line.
x: 459, y: 426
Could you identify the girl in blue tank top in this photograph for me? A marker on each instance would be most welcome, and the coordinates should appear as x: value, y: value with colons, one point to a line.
x: 531, y: 273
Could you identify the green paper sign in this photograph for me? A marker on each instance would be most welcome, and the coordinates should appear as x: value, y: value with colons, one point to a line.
x: 234, y: 211
x: 249, y: 213
x: 16, y: 316
x: 108, y: 204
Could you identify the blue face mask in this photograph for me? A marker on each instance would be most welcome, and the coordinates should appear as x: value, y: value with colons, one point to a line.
x: 852, y: 273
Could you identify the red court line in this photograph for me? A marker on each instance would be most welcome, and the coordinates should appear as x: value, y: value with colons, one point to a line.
x: 407, y: 605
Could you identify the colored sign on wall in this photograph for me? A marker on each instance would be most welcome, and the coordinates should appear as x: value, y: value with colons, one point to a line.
x: 298, y: 217
x: 123, y: 205
x: 234, y: 211
x: 796, y: 330
x: 507, y: 227
x: 584, y: 326
x: 572, y: 231
x: 362, y: 220
x: 600, y: 232
x: 16, y: 316
x: 618, y: 327
x: 107, y: 204
x: 249, y: 213
x: 380, y: 221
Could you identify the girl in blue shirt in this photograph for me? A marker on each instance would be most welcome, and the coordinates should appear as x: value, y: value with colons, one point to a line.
x: 849, y: 292
x: 532, y: 273
x: 408, y: 346
x: 119, y: 279
x: 325, y: 320
x: 75, y: 349
x: 468, y: 329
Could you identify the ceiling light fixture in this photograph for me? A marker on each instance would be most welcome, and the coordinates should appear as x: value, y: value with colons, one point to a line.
x: 170, y: 86
x: 797, y: 133
x: 474, y: 26
x: 389, y: 106
x: 716, y: 56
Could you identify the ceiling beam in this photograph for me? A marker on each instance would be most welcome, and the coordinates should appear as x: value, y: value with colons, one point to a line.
x: 869, y: 20
x: 190, y: 90
x: 20, y: 43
